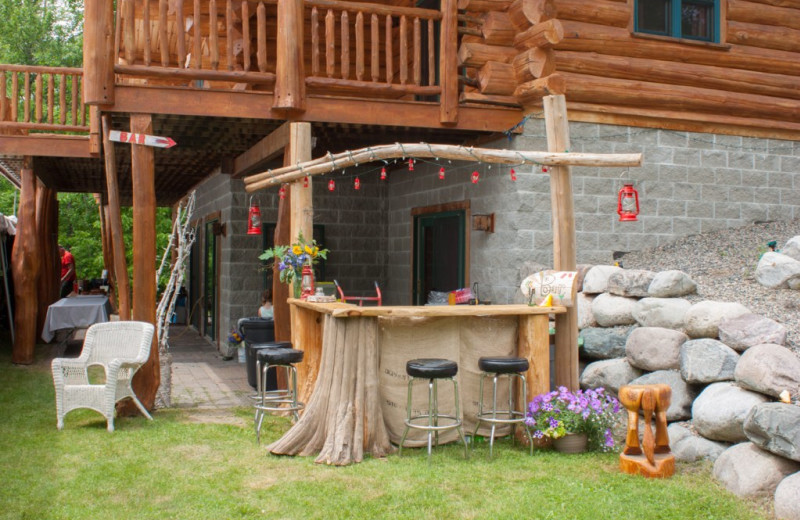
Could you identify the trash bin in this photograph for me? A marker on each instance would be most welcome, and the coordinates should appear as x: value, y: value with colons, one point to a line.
x: 258, y: 333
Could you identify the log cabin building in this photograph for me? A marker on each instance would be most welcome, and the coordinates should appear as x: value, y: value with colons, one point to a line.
x: 707, y: 90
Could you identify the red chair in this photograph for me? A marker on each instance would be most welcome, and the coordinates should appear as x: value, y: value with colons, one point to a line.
x: 360, y: 299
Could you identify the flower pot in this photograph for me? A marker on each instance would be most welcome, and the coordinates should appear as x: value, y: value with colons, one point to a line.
x: 571, y: 443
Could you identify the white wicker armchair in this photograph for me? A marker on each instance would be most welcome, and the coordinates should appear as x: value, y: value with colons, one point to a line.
x: 120, y: 347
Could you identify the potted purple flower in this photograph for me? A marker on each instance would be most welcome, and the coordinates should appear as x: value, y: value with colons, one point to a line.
x: 561, y: 414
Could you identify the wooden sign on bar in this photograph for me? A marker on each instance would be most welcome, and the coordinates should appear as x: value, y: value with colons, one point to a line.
x: 144, y: 139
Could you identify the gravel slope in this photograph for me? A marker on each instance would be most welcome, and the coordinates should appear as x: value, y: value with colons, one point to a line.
x: 723, y: 264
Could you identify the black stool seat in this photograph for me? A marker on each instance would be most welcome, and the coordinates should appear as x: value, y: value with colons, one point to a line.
x: 431, y: 368
x: 503, y: 365
x: 279, y: 356
x: 272, y: 344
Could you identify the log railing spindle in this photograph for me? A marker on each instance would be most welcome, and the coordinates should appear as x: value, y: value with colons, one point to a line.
x: 146, y: 30
x: 330, y: 43
x: 129, y: 38
x: 360, y: 46
x: 27, y: 100
x: 417, y: 52
x: 74, y: 99
x: 213, y: 34
x: 375, y: 65
x: 345, y: 30
x: 82, y: 113
x: 3, y: 99
x: 38, y: 93
x: 389, y: 39
x: 403, y: 50
x: 198, y: 36
x: 229, y: 32
x: 14, y: 96
x: 314, y: 41
x: 163, y: 36
x: 51, y: 95
x: 246, y: 34
x: 261, y: 35
x: 431, y: 53
x: 62, y: 98
x: 180, y: 33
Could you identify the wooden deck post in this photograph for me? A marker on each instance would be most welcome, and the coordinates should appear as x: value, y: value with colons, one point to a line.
x: 448, y: 62
x: 302, y: 205
x: 147, y: 379
x: 115, y: 223
x: 25, y: 262
x: 290, y: 86
x: 47, y: 227
x: 98, y: 52
x: 564, y: 253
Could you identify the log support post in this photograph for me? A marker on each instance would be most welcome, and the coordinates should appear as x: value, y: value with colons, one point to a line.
x: 302, y: 213
x: 448, y: 62
x: 47, y: 227
x: 115, y: 225
x: 147, y: 378
x: 564, y: 247
x: 98, y: 52
x: 25, y: 263
x: 290, y: 75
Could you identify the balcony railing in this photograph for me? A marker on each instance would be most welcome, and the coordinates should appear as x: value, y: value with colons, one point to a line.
x: 42, y: 99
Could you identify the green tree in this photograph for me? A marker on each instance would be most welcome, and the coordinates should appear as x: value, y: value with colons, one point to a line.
x: 41, y: 32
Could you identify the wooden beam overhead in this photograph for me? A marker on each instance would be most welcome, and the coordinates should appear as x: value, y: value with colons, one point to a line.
x: 45, y: 145
x: 265, y: 150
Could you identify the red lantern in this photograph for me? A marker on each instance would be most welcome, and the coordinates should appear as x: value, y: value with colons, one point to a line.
x: 383, y: 174
x: 411, y: 165
x: 305, y: 181
x: 441, y: 173
x: 357, y: 183
x: 282, y: 192
x: 513, y: 175
x: 254, y: 219
x: 331, y: 185
x: 544, y: 169
x: 628, y: 203
x: 475, y: 176
x: 307, y: 282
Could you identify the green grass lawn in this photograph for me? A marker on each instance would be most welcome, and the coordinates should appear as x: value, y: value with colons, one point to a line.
x: 174, y: 467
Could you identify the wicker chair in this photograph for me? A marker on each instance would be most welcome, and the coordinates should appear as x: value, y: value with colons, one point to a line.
x: 120, y: 347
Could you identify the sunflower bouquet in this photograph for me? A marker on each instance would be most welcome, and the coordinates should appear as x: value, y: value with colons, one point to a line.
x: 292, y: 258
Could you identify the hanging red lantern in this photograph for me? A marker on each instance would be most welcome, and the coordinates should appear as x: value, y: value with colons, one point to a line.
x: 307, y: 282
x: 411, y: 165
x: 254, y: 219
x: 383, y: 173
x: 475, y: 176
x: 357, y: 183
x: 544, y: 169
x: 305, y: 181
x: 441, y: 173
x: 282, y: 193
x: 331, y: 185
x: 628, y: 203
x: 513, y: 175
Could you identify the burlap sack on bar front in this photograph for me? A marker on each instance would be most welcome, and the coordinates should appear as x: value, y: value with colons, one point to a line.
x: 463, y: 340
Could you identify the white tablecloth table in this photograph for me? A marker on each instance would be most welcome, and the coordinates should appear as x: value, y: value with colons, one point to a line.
x: 75, y: 312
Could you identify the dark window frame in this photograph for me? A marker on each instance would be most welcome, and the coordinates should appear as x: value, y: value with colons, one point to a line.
x: 675, y: 21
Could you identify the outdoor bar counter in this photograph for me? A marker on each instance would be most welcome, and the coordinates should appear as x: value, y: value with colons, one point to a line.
x: 353, y: 377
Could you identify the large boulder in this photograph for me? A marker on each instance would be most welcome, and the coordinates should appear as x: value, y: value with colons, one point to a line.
x: 655, y: 348
x: 661, y: 312
x: 596, y: 279
x: 775, y: 427
x: 585, y: 315
x: 611, y: 374
x: 680, y: 408
x: 610, y: 310
x: 748, y: 471
x: 787, y: 498
x: 689, y: 447
x: 707, y: 361
x: 747, y: 330
x: 769, y: 369
x: 775, y: 270
x: 604, y: 343
x: 630, y: 282
x: 792, y: 248
x: 581, y: 270
x: 720, y: 410
x: 702, y: 319
x: 670, y: 284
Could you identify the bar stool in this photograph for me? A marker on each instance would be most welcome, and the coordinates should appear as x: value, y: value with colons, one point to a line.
x: 433, y: 370
x: 271, y: 400
x: 265, y: 382
x: 511, y: 368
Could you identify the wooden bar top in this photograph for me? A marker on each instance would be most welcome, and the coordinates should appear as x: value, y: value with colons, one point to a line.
x: 346, y: 310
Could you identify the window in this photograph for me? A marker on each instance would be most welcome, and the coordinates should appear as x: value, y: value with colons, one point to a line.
x: 690, y: 19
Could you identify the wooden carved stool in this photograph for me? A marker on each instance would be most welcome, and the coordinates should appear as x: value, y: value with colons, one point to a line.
x: 652, y: 457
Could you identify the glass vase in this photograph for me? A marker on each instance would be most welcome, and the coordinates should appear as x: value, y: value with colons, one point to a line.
x: 297, y: 287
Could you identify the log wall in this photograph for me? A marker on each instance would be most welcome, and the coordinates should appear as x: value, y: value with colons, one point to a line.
x: 747, y: 84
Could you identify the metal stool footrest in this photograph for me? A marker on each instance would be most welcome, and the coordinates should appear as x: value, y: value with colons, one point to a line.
x: 456, y: 422
x: 511, y: 417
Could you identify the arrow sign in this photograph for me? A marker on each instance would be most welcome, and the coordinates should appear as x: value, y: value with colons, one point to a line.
x: 144, y: 139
